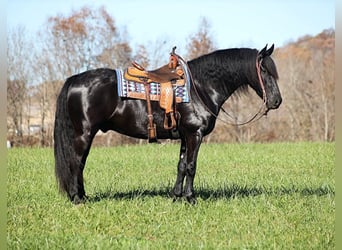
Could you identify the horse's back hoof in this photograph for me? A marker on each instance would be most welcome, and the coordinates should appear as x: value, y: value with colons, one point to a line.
x: 78, y: 200
x: 192, y: 200
x: 177, y: 198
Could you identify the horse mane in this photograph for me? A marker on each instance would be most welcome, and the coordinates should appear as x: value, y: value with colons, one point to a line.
x: 226, y: 57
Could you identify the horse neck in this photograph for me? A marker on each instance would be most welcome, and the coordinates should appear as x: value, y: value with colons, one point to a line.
x: 219, y: 74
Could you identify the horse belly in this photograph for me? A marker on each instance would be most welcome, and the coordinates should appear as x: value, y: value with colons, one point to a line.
x: 130, y: 118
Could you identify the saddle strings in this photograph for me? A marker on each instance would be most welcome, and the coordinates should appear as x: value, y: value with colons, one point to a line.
x: 261, y: 112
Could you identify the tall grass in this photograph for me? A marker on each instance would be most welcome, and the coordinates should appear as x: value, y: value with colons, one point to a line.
x: 260, y: 196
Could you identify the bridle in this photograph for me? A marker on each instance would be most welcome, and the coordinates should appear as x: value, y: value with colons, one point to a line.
x: 262, y: 110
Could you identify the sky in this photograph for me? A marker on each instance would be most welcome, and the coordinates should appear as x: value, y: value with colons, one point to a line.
x: 233, y: 23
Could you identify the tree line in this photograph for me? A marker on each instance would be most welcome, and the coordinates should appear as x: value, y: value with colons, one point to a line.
x: 38, y: 65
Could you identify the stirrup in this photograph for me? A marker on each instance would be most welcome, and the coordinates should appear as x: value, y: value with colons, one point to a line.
x: 167, y: 121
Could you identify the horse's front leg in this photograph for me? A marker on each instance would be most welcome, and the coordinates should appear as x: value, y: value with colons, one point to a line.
x: 181, y: 171
x: 193, y: 143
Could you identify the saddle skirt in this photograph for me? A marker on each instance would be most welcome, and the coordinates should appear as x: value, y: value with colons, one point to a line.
x: 136, y: 90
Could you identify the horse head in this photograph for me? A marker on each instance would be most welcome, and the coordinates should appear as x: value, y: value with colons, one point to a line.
x: 267, y: 87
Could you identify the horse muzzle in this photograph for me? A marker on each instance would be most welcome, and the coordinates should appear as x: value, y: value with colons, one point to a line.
x: 274, y: 104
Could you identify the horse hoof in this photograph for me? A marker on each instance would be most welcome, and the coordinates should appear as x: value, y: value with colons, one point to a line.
x: 175, y: 194
x: 192, y: 200
x: 77, y: 200
x: 176, y: 197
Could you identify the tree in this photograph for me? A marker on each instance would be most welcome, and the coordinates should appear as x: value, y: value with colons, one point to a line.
x: 201, y: 42
x: 68, y: 45
x: 307, y: 70
x: 18, y: 61
x: 142, y: 56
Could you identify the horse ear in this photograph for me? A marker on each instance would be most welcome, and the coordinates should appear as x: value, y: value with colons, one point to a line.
x: 262, y: 53
x: 269, y: 51
x: 266, y: 52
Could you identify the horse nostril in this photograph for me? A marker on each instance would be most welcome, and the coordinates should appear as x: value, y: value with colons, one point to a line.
x: 277, y: 103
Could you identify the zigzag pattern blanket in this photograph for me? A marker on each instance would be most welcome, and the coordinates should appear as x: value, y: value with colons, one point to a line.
x: 137, y: 90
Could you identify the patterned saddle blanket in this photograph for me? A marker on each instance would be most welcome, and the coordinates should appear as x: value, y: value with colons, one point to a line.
x: 136, y: 90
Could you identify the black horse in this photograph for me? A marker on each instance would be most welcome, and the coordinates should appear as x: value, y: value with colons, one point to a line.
x: 89, y: 102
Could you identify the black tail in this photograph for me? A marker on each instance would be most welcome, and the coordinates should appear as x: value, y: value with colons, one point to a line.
x: 64, y: 135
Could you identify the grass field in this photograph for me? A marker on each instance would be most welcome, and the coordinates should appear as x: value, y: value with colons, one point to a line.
x: 250, y: 196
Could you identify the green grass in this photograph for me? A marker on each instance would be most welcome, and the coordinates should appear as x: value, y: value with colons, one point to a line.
x: 250, y: 196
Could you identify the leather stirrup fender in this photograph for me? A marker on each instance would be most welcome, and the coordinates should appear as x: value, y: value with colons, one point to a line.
x: 166, y: 97
x: 151, y: 127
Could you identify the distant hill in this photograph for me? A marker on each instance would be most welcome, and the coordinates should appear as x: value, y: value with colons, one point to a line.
x: 325, y: 39
x: 324, y: 43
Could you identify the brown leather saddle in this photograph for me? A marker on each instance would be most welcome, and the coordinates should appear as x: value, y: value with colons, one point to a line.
x: 168, y: 76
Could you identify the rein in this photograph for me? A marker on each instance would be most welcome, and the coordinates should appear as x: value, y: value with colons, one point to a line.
x: 261, y: 112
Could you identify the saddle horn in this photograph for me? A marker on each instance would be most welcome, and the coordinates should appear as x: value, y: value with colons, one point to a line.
x: 173, y: 62
x: 173, y: 52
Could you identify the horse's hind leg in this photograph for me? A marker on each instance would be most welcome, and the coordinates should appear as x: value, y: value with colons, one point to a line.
x: 82, y: 146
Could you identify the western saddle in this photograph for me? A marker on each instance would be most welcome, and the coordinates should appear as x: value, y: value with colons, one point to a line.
x: 168, y: 76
